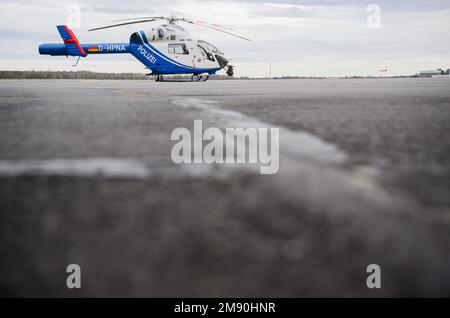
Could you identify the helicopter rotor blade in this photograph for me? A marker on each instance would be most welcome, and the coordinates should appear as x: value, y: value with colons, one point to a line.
x: 141, y: 18
x: 216, y: 29
x: 176, y: 19
x: 213, y: 25
x: 121, y: 24
x: 233, y: 34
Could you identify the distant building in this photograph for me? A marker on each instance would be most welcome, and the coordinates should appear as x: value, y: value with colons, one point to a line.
x: 431, y: 73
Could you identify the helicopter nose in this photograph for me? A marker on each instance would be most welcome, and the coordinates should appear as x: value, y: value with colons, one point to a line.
x: 223, y: 62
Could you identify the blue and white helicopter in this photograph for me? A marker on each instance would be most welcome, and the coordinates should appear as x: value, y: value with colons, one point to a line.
x: 165, y: 50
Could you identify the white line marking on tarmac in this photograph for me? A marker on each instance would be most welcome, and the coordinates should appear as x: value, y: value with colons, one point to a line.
x: 119, y: 168
x: 296, y: 143
x: 88, y: 167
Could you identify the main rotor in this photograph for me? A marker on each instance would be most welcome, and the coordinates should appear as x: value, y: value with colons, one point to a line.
x: 170, y: 20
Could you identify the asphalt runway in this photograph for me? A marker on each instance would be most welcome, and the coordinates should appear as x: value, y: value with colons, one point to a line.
x: 86, y: 178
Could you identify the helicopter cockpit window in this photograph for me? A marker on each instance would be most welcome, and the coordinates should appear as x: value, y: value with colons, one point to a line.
x: 206, y: 54
x: 178, y: 49
x: 213, y: 48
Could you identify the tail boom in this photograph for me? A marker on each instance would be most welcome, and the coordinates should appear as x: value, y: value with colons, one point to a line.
x: 56, y: 49
x: 73, y: 47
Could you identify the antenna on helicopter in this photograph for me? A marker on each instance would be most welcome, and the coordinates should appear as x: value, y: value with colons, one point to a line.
x: 170, y: 20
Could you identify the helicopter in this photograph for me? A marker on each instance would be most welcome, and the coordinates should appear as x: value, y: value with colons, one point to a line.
x: 165, y: 50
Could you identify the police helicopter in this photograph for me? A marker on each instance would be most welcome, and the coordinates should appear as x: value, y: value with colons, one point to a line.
x: 165, y: 50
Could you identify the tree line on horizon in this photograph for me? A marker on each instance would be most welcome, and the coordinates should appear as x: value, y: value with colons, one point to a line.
x: 70, y: 75
x: 111, y: 76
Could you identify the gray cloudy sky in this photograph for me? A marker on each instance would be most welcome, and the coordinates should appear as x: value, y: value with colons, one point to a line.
x: 321, y: 38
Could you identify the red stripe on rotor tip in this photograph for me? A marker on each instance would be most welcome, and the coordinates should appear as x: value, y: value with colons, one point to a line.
x: 74, y: 40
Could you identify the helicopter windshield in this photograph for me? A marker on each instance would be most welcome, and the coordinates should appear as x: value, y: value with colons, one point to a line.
x: 212, y: 47
x: 205, y: 53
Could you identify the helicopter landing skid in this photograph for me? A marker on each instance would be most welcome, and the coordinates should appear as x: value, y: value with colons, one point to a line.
x: 199, y: 78
x: 194, y: 78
